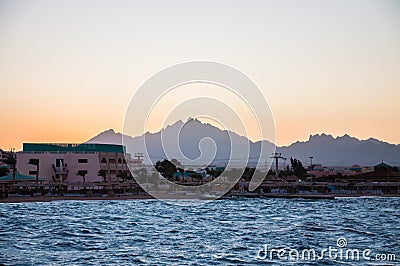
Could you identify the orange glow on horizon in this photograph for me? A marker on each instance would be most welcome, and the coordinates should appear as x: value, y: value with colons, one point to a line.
x: 67, y: 81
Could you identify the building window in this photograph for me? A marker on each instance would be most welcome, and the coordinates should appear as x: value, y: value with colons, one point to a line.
x: 111, y: 161
x: 119, y: 161
x: 59, y: 162
x: 82, y: 160
x: 104, y: 160
x: 113, y: 172
x: 32, y: 172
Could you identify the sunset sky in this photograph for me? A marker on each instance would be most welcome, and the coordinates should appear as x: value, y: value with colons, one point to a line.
x: 68, y: 69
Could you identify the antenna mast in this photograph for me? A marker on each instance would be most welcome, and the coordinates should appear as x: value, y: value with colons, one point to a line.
x: 277, y: 156
x: 139, y: 156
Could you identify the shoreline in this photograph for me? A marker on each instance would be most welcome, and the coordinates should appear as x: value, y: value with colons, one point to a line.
x: 23, y: 199
x: 74, y: 198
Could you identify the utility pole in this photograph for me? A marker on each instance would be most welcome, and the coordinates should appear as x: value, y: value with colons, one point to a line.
x: 277, y: 156
x: 139, y: 156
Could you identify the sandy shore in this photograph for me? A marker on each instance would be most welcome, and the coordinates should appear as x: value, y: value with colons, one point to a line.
x: 144, y: 197
x: 55, y: 198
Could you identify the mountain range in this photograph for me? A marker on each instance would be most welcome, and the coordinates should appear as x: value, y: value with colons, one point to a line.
x: 207, y: 144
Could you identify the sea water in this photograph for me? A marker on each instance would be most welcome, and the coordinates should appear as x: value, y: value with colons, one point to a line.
x: 221, y: 232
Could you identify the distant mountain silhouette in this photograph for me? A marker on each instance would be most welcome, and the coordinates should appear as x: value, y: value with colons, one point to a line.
x: 326, y: 150
x: 193, y: 138
x: 343, y: 151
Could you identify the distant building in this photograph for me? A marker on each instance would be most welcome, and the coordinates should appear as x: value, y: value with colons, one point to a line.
x: 61, y: 162
x: 381, y: 173
x: 3, y: 156
x: 4, y: 168
x: 356, y: 168
x: 137, y: 162
x: 320, y: 171
x: 383, y: 167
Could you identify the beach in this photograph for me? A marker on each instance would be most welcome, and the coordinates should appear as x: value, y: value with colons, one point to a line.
x: 22, y: 199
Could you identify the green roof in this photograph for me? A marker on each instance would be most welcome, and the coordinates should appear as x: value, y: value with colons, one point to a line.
x: 382, y: 164
x: 69, y: 147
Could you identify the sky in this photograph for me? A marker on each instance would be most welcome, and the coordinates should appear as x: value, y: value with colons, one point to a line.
x: 68, y: 69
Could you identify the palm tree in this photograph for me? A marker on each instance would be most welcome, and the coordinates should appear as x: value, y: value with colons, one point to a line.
x: 12, y: 162
x: 4, y: 170
x: 154, y: 179
x: 167, y: 168
x: 83, y: 174
x: 103, y: 174
x: 198, y: 177
x: 35, y: 162
x: 124, y: 175
x: 142, y: 174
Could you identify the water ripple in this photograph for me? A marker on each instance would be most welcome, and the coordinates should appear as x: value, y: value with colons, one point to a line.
x: 225, y: 232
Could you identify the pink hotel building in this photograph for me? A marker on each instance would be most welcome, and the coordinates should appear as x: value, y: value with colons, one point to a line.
x: 61, y: 162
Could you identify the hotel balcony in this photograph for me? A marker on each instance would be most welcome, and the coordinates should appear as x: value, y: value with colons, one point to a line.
x: 62, y: 170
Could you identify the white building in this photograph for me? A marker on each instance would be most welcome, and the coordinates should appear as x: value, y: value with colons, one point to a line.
x: 61, y: 162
